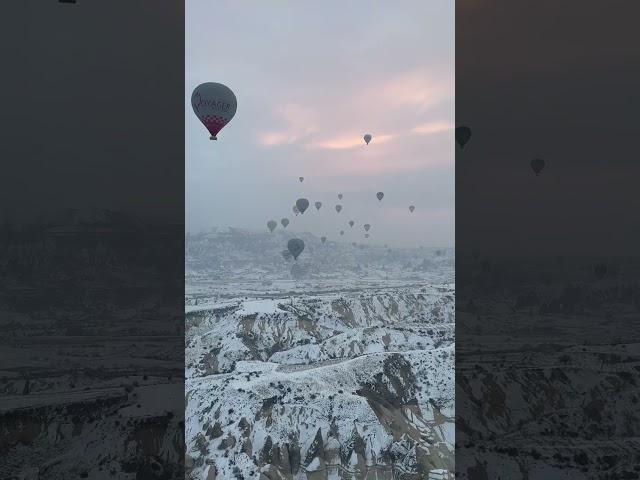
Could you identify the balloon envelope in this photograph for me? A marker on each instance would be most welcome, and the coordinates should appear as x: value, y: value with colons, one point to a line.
x: 302, y: 204
x: 537, y: 164
x: 338, y: 208
x: 271, y: 225
x: 351, y: 223
x: 367, y: 138
x: 215, y: 105
x: 339, y: 196
x: 295, y: 246
x: 284, y: 222
x: 318, y: 205
x: 411, y: 208
x: 463, y: 135
x: 341, y: 232
x: 301, y: 179
x: 380, y: 195
x: 367, y: 227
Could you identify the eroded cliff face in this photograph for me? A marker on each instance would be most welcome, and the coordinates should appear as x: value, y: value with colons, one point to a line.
x: 322, y: 386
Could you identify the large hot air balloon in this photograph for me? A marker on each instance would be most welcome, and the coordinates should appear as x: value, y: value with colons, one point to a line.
x: 367, y: 138
x: 338, y: 208
x: 301, y: 179
x: 339, y: 196
x: 302, y: 204
x: 318, y: 205
x: 380, y: 195
x: 463, y: 135
x: 284, y: 222
x: 271, y: 225
x: 295, y: 210
x: 323, y: 239
x: 215, y: 105
x: 411, y: 208
x: 537, y: 164
x: 367, y: 227
x: 295, y: 246
x: 351, y: 223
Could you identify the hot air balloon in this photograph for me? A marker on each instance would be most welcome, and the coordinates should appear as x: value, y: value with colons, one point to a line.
x: 463, y: 134
x: 537, y: 164
x: 411, y: 208
x: 339, y: 196
x: 271, y: 225
x: 351, y: 223
x: 367, y: 227
x: 301, y: 179
x: 366, y: 235
x: 284, y: 222
x: 302, y: 204
x: 295, y: 210
x: 338, y: 208
x: 367, y: 138
x: 380, y: 195
x: 323, y: 239
x: 318, y: 205
x: 215, y: 105
x: 295, y: 246
x: 341, y: 232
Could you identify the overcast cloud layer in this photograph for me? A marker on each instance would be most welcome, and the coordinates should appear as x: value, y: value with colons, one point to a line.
x: 311, y: 80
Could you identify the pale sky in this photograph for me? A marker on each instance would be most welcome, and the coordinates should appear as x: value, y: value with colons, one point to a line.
x: 311, y: 78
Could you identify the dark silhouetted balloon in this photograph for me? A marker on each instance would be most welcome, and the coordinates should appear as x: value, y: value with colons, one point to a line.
x: 301, y: 179
x: 295, y: 246
x: 351, y: 223
x: 367, y: 227
x: 380, y: 195
x: 339, y: 196
x: 318, y: 205
x: 537, y: 164
x: 215, y: 105
x: 338, y: 208
x: 284, y: 222
x: 341, y: 232
x: 411, y: 208
x: 323, y: 239
x: 302, y: 204
x: 271, y: 225
x: 600, y: 271
x: 463, y: 135
x: 367, y: 138
x: 295, y: 210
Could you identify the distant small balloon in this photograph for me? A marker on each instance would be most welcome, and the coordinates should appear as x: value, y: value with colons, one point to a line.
x: 301, y: 179
x: 339, y: 196
x: 537, y: 164
x: 463, y: 135
x: 351, y: 223
x: 341, y: 232
x: 366, y: 235
x: 302, y: 204
x: 367, y: 138
x: 323, y: 239
x: 318, y: 205
x: 380, y: 195
x: 295, y: 246
x: 411, y: 208
x: 338, y: 208
x: 367, y: 227
x: 284, y: 222
x: 271, y: 225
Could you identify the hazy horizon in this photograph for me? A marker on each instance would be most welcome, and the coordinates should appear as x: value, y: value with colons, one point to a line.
x: 310, y: 82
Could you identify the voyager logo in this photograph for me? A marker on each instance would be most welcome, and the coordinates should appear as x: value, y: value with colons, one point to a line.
x: 214, y: 105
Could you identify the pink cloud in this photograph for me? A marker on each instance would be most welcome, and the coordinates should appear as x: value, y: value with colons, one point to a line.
x: 431, y: 128
x: 350, y: 141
